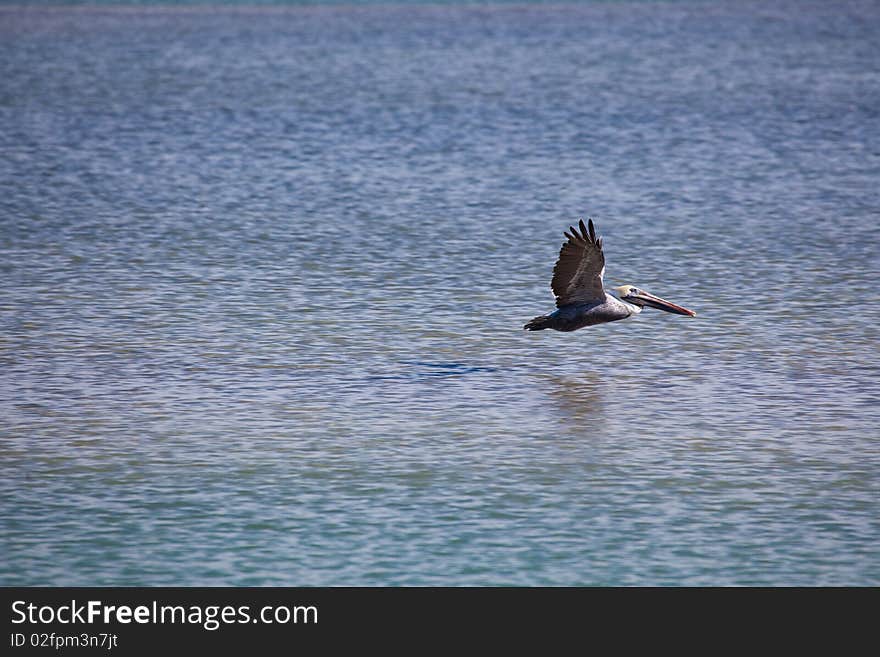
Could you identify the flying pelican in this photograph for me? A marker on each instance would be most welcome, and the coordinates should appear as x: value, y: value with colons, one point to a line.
x: 581, y: 299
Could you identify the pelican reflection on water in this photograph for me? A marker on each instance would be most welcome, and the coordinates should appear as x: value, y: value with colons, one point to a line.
x: 581, y: 299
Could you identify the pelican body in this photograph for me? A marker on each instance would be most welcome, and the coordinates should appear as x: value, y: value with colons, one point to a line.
x: 578, y: 284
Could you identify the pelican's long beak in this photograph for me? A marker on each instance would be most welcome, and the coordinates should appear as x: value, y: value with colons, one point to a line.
x: 643, y: 298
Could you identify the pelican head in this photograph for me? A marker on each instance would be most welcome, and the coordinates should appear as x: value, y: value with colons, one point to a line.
x: 638, y: 297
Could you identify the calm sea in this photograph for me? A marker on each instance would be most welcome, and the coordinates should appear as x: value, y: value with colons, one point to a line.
x: 263, y: 273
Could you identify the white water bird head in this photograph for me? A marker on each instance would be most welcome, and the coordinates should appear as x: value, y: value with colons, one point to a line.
x: 636, y: 296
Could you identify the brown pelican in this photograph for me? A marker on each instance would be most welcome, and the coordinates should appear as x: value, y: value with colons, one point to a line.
x: 581, y: 299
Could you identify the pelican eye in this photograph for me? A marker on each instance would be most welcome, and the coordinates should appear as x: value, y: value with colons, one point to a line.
x: 633, y: 290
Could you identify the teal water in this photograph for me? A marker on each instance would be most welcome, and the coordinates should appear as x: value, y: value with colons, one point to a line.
x: 264, y: 273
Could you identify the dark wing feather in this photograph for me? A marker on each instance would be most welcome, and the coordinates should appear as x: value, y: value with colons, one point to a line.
x: 577, y: 276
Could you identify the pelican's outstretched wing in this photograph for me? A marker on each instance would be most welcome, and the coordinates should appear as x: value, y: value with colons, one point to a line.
x: 577, y: 276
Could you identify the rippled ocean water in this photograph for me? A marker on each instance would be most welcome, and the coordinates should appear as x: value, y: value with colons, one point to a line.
x: 263, y: 273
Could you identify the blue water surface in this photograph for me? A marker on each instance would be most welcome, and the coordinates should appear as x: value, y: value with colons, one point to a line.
x: 263, y: 273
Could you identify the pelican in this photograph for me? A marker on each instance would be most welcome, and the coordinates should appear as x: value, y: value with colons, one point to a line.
x: 581, y: 299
